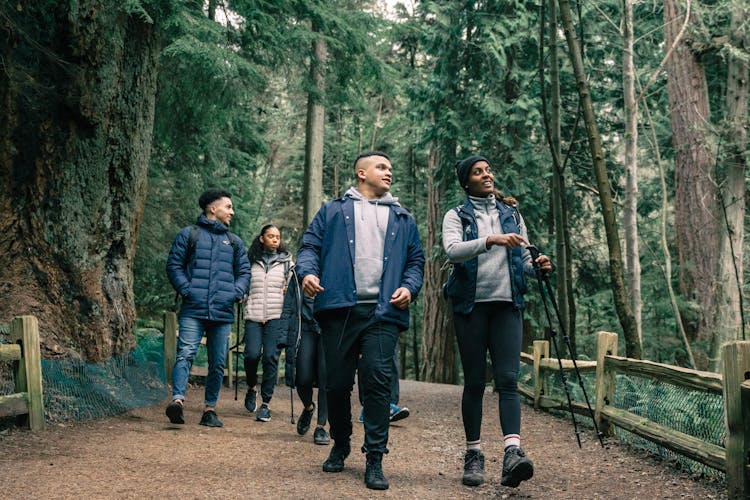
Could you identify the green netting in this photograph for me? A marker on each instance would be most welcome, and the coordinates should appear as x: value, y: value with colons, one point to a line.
x: 76, y: 390
x: 697, y: 413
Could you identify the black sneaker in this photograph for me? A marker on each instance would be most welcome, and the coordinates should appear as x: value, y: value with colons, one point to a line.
x: 473, y: 468
x: 174, y: 412
x: 374, y: 478
x: 335, y: 460
x: 250, y: 400
x: 264, y: 413
x: 303, y: 424
x: 320, y: 436
x: 209, y: 419
x: 516, y: 467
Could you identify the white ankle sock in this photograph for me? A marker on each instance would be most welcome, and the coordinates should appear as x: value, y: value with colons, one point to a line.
x: 511, y: 440
x: 474, y: 445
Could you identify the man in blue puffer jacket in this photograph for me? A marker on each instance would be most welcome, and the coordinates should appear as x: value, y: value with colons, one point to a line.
x: 209, y: 268
x: 362, y: 260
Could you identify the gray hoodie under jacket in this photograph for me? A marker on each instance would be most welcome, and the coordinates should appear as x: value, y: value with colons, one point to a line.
x: 370, y: 225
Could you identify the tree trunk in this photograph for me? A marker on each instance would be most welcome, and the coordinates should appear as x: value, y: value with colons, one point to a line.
x: 315, y: 130
x: 559, y: 206
x: 438, y: 353
x: 728, y: 305
x: 77, y: 95
x: 630, y: 214
x: 695, y: 206
x: 632, y: 347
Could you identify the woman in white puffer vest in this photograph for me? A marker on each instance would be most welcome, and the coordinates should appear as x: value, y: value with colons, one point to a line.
x: 268, y: 308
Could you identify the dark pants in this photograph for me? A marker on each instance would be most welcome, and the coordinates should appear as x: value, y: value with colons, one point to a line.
x: 347, y: 334
x: 311, y: 368
x: 395, y: 393
x: 497, y: 327
x: 262, y: 339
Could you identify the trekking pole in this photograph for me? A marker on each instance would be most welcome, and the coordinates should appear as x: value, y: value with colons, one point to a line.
x: 543, y: 279
x: 553, y: 337
x: 237, y: 351
x: 566, y: 340
x: 299, y: 334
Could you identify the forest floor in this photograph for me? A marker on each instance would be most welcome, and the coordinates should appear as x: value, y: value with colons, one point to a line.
x: 141, y: 455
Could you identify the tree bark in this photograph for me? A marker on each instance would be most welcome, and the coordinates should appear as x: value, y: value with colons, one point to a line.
x: 728, y: 305
x: 559, y: 191
x: 624, y: 313
x: 438, y: 352
x: 315, y: 130
x: 695, y: 207
x: 77, y: 96
x: 630, y: 213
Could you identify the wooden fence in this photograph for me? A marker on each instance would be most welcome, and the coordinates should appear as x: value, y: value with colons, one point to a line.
x: 733, y: 384
x: 24, y: 333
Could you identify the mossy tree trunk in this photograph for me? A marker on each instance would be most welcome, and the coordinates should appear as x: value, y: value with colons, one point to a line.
x: 77, y: 95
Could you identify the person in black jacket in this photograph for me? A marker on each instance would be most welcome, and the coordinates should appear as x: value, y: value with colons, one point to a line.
x: 209, y: 269
x: 306, y: 366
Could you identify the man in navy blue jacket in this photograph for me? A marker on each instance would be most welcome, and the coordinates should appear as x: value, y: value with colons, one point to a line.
x: 362, y: 260
x: 209, y: 268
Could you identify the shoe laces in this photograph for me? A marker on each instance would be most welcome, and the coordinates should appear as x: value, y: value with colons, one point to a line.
x: 474, y: 461
x: 515, y: 450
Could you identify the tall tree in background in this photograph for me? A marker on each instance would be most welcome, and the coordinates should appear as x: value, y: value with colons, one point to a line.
x: 560, y: 217
x: 625, y: 314
x: 695, y: 207
x: 77, y: 93
x: 728, y: 305
x: 444, y: 42
x: 315, y: 129
x: 630, y: 213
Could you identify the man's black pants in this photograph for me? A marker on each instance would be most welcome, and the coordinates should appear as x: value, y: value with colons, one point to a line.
x: 348, y: 334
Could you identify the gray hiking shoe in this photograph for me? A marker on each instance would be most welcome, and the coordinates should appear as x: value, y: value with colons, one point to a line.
x: 516, y: 467
x: 473, y: 468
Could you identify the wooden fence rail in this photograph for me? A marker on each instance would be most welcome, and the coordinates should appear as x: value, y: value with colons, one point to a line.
x: 733, y: 384
x: 24, y: 332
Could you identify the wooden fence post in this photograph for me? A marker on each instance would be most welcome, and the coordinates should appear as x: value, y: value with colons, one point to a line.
x: 735, y: 371
x: 605, y: 379
x: 25, y: 330
x: 170, y: 343
x: 541, y: 351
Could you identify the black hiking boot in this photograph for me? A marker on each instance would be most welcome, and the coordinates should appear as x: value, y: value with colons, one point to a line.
x: 374, y: 478
x: 335, y: 460
x: 174, y: 412
x: 209, y: 419
x: 473, y: 468
x: 303, y: 424
x: 516, y: 467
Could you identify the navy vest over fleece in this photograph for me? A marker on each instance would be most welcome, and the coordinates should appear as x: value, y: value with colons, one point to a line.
x: 462, y: 282
x: 214, y: 278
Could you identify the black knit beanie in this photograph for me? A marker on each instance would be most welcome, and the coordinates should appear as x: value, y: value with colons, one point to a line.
x: 463, y: 168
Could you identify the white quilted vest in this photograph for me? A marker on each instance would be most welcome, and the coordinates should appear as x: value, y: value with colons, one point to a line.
x: 265, y: 299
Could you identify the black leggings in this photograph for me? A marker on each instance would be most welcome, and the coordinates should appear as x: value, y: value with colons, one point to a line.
x: 311, y: 368
x: 497, y: 327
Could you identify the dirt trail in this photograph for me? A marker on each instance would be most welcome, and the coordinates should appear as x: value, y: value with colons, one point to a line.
x: 140, y: 455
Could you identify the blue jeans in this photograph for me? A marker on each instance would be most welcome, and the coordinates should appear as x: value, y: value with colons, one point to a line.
x: 217, y: 342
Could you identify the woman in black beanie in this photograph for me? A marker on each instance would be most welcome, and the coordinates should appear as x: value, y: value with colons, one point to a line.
x: 485, y: 240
